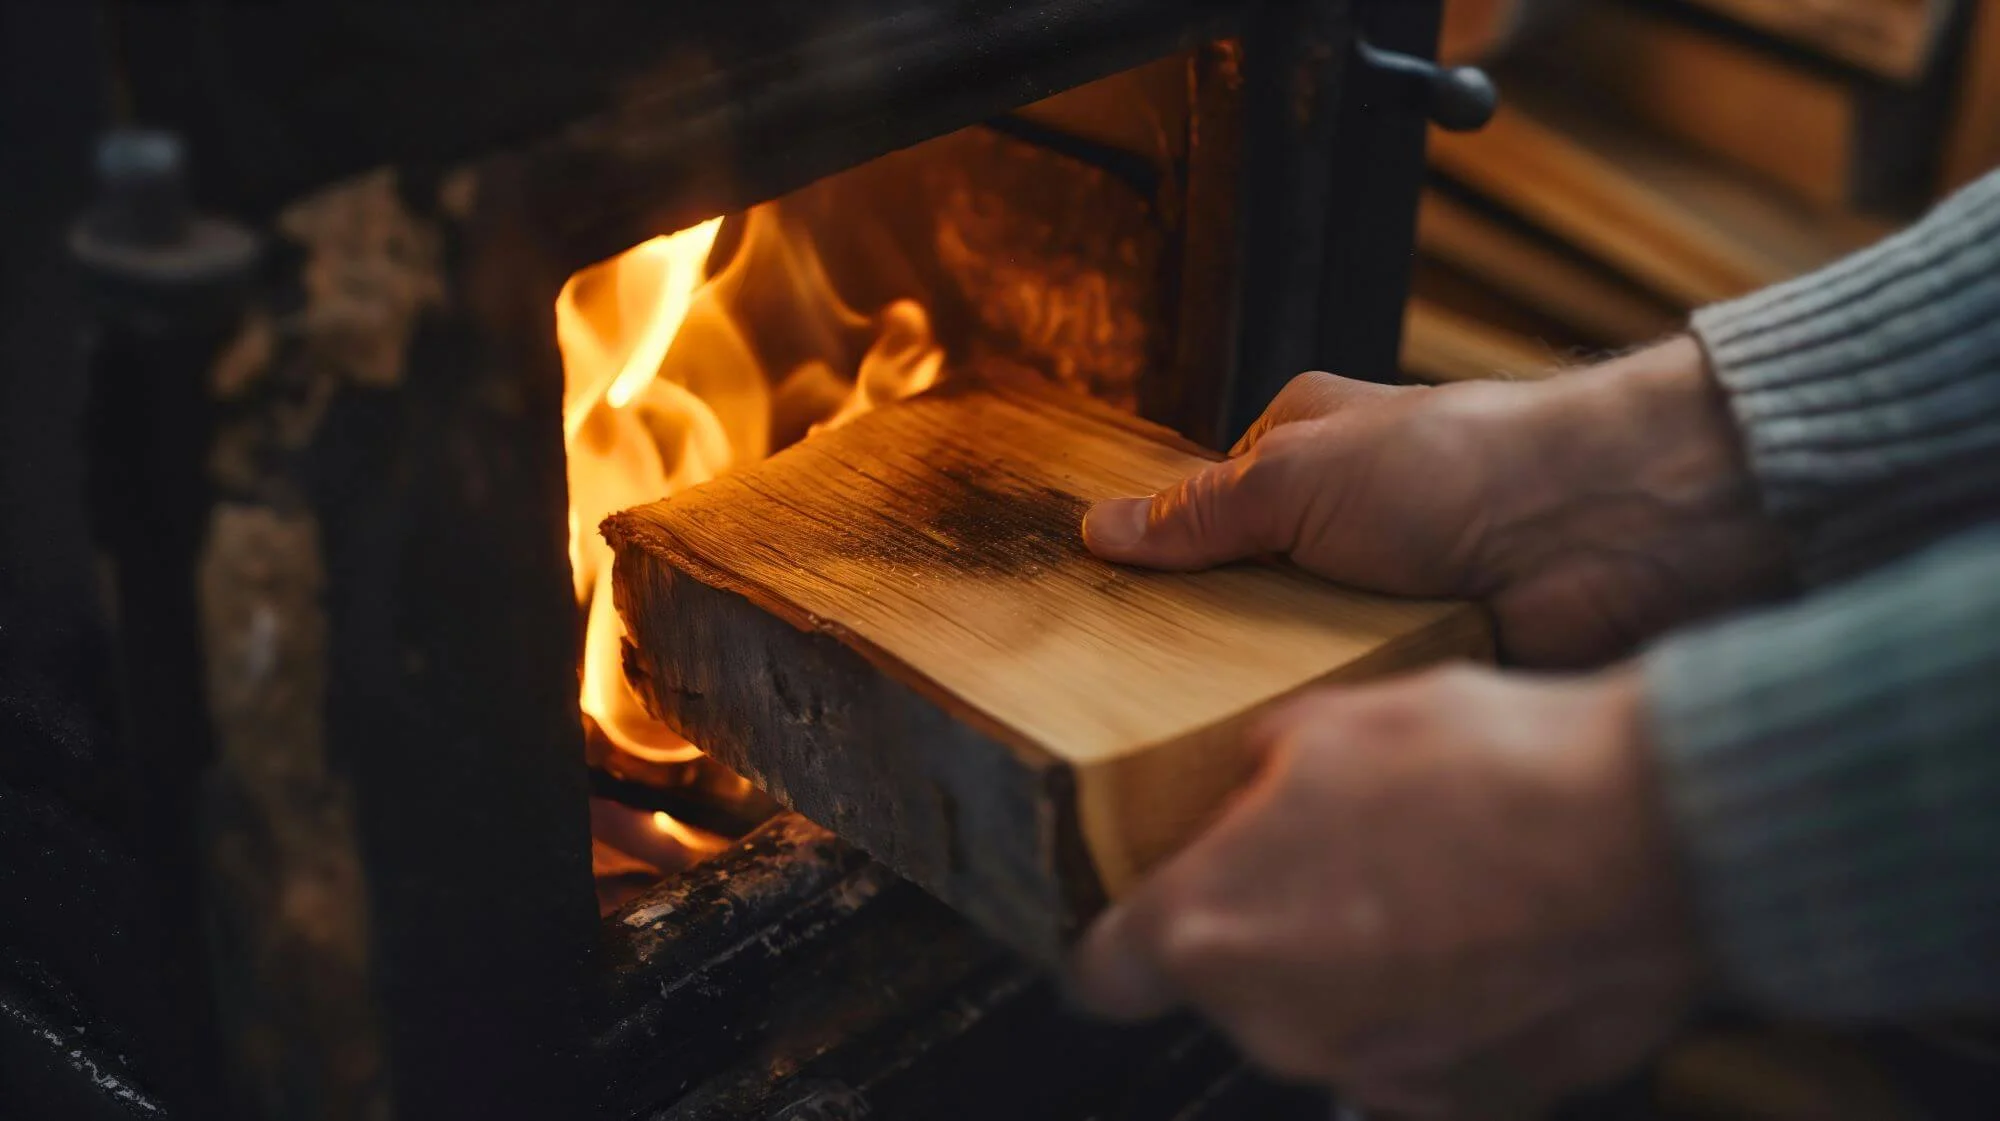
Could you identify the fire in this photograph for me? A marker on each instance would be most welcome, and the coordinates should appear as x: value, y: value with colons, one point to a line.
x: 630, y: 848
x: 687, y: 836
x: 668, y: 380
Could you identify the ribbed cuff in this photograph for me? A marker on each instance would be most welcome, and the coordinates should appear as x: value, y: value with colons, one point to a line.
x: 1832, y: 770
x: 1853, y: 384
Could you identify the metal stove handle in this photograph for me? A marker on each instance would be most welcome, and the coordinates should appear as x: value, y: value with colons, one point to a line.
x: 1455, y: 98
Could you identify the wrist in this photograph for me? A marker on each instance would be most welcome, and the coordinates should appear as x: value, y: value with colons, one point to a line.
x: 1637, y: 470
x: 1671, y: 431
x: 1686, y: 456
x: 1653, y: 423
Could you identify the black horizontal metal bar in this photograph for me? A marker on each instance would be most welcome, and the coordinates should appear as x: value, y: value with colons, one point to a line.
x: 676, y: 153
x: 1129, y: 168
x: 279, y: 98
x: 699, y: 812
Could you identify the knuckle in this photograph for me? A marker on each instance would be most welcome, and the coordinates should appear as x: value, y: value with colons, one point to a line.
x: 1443, y: 677
x: 1217, y: 504
x: 1259, y: 475
x: 1193, y: 505
x: 1166, y: 504
x: 1194, y: 943
x: 1177, y: 503
x: 1307, y: 395
x: 1310, y: 386
x: 1216, y: 952
x: 1391, y: 713
x: 1448, y: 679
x: 1266, y: 491
x: 1282, y: 442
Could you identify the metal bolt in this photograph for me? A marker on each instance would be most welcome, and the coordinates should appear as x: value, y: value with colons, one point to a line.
x: 142, y: 185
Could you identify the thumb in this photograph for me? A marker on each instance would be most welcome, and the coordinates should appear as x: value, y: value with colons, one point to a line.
x: 1220, y: 513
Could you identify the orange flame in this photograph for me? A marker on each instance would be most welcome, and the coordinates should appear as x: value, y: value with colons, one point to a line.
x: 665, y: 386
x: 687, y: 836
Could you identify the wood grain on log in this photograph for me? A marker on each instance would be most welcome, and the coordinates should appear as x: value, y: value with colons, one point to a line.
x: 895, y: 629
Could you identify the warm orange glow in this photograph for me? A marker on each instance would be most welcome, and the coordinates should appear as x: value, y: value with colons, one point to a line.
x: 669, y: 381
x: 687, y: 836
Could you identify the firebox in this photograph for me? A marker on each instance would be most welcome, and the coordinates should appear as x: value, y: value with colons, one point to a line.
x: 385, y: 831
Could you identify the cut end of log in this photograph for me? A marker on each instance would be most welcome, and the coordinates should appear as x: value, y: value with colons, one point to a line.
x: 895, y: 629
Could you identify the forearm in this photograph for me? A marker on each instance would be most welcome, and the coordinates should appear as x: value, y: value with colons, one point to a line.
x: 1868, y: 393
x: 1832, y: 770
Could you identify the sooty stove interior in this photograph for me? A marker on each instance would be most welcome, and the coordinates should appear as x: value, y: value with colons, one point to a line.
x: 364, y: 824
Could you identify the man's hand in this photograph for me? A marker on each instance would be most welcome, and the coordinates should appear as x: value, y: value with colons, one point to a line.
x: 1448, y: 895
x: 1591, y: 511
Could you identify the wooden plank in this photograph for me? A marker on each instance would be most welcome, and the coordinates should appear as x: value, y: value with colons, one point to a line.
x: 1792, y: 124
x: 1540, y: 273
x: 1972, y: 141
x: 1475, y: 30
x: 1456, y: 328
x: 1441, y: 344
x: 1826, y: 136
x: 1895, y: 39
x: 1689, y: 229
x: 894, y: 629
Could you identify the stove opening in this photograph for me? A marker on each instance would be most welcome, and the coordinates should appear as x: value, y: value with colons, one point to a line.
x: 1041, y: 238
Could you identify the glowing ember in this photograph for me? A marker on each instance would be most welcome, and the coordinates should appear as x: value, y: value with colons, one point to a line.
x: 670, y: 379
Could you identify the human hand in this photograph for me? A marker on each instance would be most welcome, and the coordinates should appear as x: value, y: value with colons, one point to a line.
x: 1591, y: 511
x: 1449, y: 895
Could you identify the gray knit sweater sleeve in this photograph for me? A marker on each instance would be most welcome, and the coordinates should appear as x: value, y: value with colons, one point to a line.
x: 1832, y: 766
x: 1868, y: 393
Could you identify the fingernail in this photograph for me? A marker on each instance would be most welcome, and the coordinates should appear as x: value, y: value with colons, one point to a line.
x: 1116, y: 523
